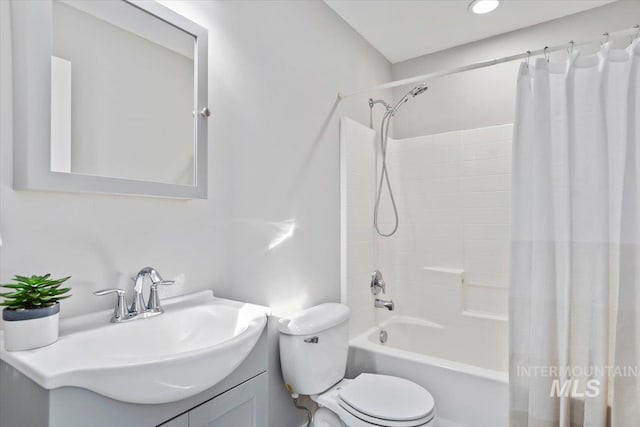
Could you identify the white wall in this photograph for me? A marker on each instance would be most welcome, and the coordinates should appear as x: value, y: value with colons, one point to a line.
x: 486, y: 97
x: 274, y: 71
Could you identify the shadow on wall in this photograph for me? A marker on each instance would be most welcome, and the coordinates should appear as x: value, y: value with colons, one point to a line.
x: 299, y: 176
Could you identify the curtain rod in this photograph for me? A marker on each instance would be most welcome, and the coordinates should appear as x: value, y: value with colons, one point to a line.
x: 546, y: 51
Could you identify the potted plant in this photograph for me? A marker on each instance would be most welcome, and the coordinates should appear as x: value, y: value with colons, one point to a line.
x: 31, y: 311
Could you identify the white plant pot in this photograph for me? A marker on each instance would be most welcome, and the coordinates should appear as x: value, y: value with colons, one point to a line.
x: 29, y: 329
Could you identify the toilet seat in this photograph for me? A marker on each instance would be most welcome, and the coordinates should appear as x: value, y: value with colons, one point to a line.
x: 384, y: 397
x: 379, y: 400
x: 365, y: 420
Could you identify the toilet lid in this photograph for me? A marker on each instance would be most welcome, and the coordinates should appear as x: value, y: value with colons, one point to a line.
x: 388, y: 398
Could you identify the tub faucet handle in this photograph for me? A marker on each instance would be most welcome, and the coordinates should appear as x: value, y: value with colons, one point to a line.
x: 377, y: 283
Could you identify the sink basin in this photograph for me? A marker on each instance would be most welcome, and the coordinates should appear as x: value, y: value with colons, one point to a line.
x: 192, y: 346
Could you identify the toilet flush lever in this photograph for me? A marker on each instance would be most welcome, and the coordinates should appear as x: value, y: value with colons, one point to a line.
x: 311, y: 340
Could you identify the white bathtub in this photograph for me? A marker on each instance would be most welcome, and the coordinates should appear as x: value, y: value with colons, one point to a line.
x: 470, y: 387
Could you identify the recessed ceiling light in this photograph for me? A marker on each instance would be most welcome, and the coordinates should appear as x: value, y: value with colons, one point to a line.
x: 480, y: 7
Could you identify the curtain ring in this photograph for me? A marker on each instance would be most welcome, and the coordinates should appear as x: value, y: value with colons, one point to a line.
x: 528, y: 57
x: 606, y: 38
x: 546, y: 53
x: 570, y: 48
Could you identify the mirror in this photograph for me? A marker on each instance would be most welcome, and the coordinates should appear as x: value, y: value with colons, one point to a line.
x: 122, y: 93
x: 126, y: 85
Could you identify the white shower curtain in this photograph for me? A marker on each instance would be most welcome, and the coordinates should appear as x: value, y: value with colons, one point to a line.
x: 575, y: 250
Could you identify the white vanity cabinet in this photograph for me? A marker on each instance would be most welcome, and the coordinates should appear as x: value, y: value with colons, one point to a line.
x: 243, y: 406
x: 240, y: 400
x: 181, y: 421
x: 203, y: 362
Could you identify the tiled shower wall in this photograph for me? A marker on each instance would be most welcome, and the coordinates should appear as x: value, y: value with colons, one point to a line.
x: 453, y: 196
x: 448, y: 261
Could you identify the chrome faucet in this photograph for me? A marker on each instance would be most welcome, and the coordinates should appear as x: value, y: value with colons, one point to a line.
x: 153, y: 305
x: 138, y: 308
x: 120, y: 312
x: 380, y: 303
x: 378, y: 284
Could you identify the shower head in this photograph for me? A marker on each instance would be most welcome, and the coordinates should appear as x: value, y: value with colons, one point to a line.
x: 418, y: 90
x: 413, y: 92
x: 384, y: 175
x: 391, y: 111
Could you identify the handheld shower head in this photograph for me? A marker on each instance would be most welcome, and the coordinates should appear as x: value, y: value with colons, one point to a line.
x: 413, y: 93
x: 391, y: 111
x: 418, y: 90
x: 384, y: 174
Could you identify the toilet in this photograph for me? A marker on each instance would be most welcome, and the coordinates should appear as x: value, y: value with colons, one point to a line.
x: 314, y: 346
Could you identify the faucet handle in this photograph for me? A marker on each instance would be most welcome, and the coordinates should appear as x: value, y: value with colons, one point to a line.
x: 153, y: 304
x: 108, y: 291
x: 377, y: 283
x: 163, y: 283
x: 120, y: 311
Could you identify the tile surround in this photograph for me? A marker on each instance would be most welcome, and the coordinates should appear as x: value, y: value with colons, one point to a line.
x: 452, y: 191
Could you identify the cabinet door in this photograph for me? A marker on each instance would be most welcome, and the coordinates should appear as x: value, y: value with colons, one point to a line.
x: 181, y: 421
x: 242, y: 406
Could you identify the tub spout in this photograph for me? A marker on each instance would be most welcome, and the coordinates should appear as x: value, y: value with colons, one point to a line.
x: 380, y: 303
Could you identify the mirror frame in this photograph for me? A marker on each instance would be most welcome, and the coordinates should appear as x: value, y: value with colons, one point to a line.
x: 31, y: 36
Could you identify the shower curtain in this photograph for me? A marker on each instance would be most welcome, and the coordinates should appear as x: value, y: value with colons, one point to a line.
x: 575, y: 249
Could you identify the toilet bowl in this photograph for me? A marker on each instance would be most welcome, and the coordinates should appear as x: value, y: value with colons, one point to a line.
x: 378, y: 400
x: 314, y: 345
x: 325, y: 418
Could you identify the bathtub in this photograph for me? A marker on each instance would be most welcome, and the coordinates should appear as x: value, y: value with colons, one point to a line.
x: 470, y: 388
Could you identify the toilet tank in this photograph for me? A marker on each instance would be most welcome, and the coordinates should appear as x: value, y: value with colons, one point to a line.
x: 314, y: 345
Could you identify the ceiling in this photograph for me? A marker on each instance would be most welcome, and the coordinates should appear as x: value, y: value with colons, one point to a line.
x: 405, y: 29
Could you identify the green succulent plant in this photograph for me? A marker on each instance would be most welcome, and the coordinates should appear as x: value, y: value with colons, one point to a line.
x: 34, y: 292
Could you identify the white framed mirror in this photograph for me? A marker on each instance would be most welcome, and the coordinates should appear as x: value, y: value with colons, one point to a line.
x: 109, y: 97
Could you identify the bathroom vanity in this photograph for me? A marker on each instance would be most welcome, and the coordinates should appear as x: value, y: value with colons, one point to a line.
x: 240, y: 400
x: 202, y: 362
